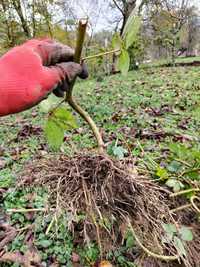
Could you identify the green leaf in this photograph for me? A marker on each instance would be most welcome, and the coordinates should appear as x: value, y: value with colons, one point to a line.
x: 124, y: 62
x: 45, y: 243
x: 117, y: 42
x: 129, y: 23
x: 174, y: 166
x: 54, y: 134
x: 180, y: 150
x: 130, y: 240
x: 131, y: 30
x: 162, y: 173
x: 6, y: 179
x: 119, y: 152
x: 58, y: 122
x: 65, y: 119
x: 170, y: 230
x: 193, y: 175
x: 186, y: 234
x: 175, y: 184
x: 180, y: 246
x: 47, y: 104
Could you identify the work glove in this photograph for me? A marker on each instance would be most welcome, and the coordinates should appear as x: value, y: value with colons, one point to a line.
x: 31, y: 71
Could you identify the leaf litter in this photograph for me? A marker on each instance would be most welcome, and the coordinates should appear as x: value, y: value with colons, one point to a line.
x: 109, y: 195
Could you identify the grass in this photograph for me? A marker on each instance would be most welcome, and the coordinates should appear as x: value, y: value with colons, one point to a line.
x: 153, y: 114
x: 178, y: 60
x: 187, y: 59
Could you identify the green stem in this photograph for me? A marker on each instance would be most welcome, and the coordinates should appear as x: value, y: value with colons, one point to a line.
x: 187, y: 206
x: 192, y: 199
x: 69, y: 96
x: 26, y: 210
x: 101, y: 54
x: 180, y: 193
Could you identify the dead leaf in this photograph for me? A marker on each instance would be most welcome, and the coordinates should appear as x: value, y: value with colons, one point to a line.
x: 2, y: 151
x: 2, y: 163
x: 156, y: 112
x: 27, y: 131
x: 30, y: 259
x: 75, y: 257
x: 105, y: 264
x: 9, y: 234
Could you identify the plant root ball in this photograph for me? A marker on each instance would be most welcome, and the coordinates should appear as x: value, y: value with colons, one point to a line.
x: 109, y: 193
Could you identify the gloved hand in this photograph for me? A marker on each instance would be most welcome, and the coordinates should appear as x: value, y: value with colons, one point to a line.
x: 30, y: 72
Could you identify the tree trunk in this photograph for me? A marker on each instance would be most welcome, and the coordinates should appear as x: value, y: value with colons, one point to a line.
x: 114, y: 64
x: 47, y: 16
x: 33, y: 19
x: 18, y: 8
x: 173, y: 54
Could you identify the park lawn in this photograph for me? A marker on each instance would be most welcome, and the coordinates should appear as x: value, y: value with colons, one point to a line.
x: 153, y: 115
x: 178, y: 61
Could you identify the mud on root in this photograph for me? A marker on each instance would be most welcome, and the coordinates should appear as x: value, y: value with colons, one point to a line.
x: 113, y: 198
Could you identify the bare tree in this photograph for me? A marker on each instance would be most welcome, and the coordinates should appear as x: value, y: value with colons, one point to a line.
x: 166, y: 19
x: 190, y: 33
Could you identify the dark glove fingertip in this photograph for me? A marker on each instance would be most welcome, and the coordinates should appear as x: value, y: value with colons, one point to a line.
x: 58, y: 92
x: 84, y: 74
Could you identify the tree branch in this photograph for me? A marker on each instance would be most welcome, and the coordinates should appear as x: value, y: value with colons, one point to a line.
x: 118, y: 7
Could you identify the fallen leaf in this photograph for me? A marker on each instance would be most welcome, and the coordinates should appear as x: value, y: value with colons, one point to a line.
x: 75, y: 257
x: 2, y: 163
x: 27, y: 131
x: 105, y: 264
x: 9, y: 234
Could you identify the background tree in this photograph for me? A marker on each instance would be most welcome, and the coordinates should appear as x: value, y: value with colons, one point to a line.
x: 190, y: 33
x: 166, y: 18
x: 169, y: 28
x: 21, y: 12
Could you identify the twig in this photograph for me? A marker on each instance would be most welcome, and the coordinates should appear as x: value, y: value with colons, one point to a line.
x: 192, y: 199
x: 187, y: 206
x: 101, y: 54
x: 69, y: 97
x: 50, y: 225
x: 118, y: 7
x: 26, y: 210
x: 152, y: 254
x: 185, y: 192
x: 25, y: 228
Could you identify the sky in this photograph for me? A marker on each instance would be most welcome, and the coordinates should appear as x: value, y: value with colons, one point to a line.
x: 100, y: 14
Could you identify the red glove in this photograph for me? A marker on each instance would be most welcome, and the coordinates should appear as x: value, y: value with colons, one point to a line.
x: 30, y: 72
